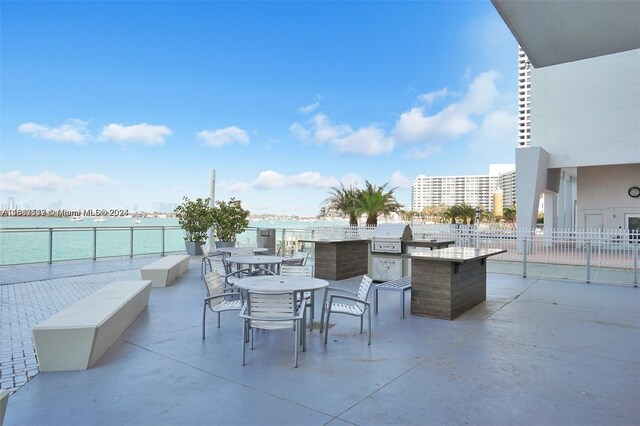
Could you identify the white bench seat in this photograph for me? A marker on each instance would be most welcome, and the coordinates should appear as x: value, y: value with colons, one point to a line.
x: 164, y: 271
x: 76, y: 337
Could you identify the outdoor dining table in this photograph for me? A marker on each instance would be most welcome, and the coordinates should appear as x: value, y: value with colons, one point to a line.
x: 234, y: 251
x: 254, y: 262
x: 283, y: 284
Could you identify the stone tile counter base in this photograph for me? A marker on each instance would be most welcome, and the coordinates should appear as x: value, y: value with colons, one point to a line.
x: 447, y: 284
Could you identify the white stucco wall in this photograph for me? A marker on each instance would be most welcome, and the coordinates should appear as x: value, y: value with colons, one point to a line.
x: 603, y: 191
x: 587, y: 113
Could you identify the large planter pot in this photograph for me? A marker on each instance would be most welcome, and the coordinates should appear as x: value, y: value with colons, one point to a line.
x: 193, y: 248
x: 225, y: 244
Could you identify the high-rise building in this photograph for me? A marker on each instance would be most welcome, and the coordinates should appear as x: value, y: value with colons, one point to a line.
x: 524, y: 99
x: 476, y: 191
x: 582, y: 153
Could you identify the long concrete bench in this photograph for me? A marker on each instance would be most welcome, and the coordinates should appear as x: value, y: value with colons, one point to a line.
x: 4, y: 398
x: 164, y: 271
x: 76, y: 337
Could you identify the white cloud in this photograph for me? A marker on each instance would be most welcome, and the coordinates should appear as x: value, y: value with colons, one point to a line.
x: 15, y: 182
x: 370, y: 140
x: 72, y: 131
x: 227, y: 136
x: 309, y: 108
x: 270, y: 179
x: 455, y: 120
x: 144, y: 133
x: 498, y: 127
x: 423, y: 153
x: 398, y: 179
x: 431, y: 97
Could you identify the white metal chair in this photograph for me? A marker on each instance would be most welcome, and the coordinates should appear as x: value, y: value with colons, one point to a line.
x: 358, y: 308
x: 219, y: 299
x: 206, y: 260
x: 272, y: 311
x: 309, y: 296
x: 297, y: 258
x: 231, y: 275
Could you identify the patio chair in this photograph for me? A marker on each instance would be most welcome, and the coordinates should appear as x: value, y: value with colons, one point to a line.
x: 219, y: 299
x: 272, y: 311
x: 297, y: 258
x: 231, y: 275
x: 206, y: 260
x: 358, y: 308
x: 309, y: 296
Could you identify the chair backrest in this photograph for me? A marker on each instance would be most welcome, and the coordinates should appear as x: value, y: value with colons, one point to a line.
x: 269, y: 307
x: 297, y: 258
x: 228, y: 268
x: 214, y: 286
x: 363, y: 290
x: 296, y: 271
x: 204, y: 250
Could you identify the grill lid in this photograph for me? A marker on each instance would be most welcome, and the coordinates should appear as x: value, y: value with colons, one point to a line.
x: 393, y: 231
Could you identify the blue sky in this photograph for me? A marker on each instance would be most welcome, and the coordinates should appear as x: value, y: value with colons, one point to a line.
x: 115, y: 104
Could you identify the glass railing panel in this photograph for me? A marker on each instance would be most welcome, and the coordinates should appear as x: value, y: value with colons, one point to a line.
x: 72, y: 245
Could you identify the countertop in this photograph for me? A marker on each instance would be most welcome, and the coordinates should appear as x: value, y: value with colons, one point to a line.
x: 456, y: 254
x: 329, y: 241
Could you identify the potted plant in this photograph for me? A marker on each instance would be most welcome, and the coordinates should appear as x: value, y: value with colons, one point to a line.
x: 229, y: 220
x: 195, y: 218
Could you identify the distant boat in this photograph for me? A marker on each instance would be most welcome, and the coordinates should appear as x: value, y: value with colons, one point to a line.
x: 137, y: 220
x: 76, y: 218
x: 100, y: 219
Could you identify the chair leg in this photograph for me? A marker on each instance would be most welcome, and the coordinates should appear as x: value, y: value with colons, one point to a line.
x: 326, y: 328
x: 361, y: 321
x: 244, y: 341
x: 312, y: 308
x: 218, y: 319
x: 295, y: 349
x: 369, y: 312
x: 204, y: 316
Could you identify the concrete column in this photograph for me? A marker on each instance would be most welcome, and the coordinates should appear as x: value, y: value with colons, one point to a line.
x: 531, y: 180
x: 549, y: 215
x: 212, y: 199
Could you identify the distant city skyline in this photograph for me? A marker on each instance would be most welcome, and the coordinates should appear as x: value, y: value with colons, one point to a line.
x: 116, y: 104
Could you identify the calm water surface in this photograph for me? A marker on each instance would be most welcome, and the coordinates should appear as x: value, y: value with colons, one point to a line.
x: 70, y: 242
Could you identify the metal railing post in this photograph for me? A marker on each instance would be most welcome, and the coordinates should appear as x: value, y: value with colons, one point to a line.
x: 282, y: 242
x: 588, y: 244
x: 635, y: 264
x: 163, y: 241
x: 524, y: 257
x: 50, y: 246
x: 95, y: 243
x: 131, y: 242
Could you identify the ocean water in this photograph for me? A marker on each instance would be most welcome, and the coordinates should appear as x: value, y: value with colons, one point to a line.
x: 74, y: 240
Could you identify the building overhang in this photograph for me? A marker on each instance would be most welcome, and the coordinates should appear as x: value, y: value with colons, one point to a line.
x: 553, y: 32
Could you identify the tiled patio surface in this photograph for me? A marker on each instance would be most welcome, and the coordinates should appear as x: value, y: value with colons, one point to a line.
x: 537, y: 352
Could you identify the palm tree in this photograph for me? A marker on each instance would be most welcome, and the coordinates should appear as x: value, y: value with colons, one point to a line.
x: 344, y: 200
x: 375, y: 201
x: 509, y: 214
x: 467, y: 213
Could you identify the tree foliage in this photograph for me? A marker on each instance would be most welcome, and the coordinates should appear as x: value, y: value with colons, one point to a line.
x: 195, y: 218
x: 373, y: 201
x: 229, y: 219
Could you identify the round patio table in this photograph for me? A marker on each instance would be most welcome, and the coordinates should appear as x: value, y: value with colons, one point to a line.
x: 234, y: 251
x: 270, y: 262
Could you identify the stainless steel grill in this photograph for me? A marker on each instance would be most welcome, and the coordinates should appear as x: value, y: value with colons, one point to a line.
x: 388, y: 237
x: 387, y: 249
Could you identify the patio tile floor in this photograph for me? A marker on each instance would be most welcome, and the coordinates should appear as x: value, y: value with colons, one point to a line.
x: 537, y: 352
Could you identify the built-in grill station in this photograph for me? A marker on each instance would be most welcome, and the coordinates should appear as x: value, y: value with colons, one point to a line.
x: 391, y: 248
x: 387, y: 247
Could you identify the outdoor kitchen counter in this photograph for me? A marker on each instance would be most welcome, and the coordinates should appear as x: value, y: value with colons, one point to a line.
x: 448, y: 282
x: 340, y: 259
